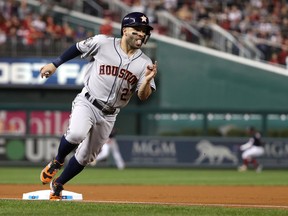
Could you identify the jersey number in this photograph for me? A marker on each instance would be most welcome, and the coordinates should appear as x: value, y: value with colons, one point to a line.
x: 124, y: 94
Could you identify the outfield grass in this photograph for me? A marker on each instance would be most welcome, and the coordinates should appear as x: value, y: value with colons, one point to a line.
x: 104, y: 176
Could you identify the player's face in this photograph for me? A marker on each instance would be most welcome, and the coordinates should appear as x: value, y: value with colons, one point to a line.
x: 135, y: 36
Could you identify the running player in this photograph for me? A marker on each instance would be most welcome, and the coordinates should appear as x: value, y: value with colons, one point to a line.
x: 116, y: 70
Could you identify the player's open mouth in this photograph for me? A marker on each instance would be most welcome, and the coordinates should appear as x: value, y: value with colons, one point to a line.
x: 139, y: 42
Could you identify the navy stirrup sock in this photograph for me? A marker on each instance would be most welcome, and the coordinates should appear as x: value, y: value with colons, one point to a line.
x: 72, y: 169
x: 64, y: 149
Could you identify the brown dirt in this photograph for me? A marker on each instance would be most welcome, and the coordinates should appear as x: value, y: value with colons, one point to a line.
x: 274, y: 196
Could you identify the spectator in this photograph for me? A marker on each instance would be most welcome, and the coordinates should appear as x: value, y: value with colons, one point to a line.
x: 10, y: 8
x: 106, y: 28
x: 80, y: 33
x: 245, y: 24
x: 222, y: 19
x: 283, y: 55
x: 22, y: 33
x: 184, y: 13
x: 3, y: 37
x: 262, y: 44
x: 50, y: 26
x: 31, y: 36
x: 234, y: 17
x: 274, y: 59
x: 170, y: 5
x: 58, y: 32
x: 23, y: 10
x: 137, y: 6
x: 150, y: 11
x: 46, y: 7
x: 68, y: 32
x: 38, y: 23
x: 128, y: 2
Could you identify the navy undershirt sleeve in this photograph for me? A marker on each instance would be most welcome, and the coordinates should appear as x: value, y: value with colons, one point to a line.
x: 67, y: 55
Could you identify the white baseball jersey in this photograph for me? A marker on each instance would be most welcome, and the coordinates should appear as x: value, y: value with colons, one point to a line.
x: 112, y: 76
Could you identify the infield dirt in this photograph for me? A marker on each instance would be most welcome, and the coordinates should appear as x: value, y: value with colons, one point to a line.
x: 220, y: 195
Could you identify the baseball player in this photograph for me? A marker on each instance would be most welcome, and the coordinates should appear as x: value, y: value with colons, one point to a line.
x: 110, y: 146
x: 251, y: 150
x: 117, y: 68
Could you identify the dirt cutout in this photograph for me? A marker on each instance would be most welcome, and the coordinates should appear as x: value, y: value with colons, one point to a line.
x: 268, y: 196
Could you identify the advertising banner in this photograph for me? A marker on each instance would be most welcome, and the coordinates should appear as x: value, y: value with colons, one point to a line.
x: 33, y: 122
x: 151, y: 151
x: 180, y: 152
x: 13, y: 122
x: 25, y: 72
x: 198, y: 152
x: 48, y: 122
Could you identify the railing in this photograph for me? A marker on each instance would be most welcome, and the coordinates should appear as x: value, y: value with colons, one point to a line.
x: 94, y: 7
x: 256, y: 54
x: 226, y: 42
x: 179, y: 29
x: 47, y: 47
x: 119, y: 8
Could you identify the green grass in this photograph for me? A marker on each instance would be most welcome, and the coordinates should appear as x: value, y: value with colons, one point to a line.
x: 11, y: 207
x: 142, y: 176
x: 153, y: 177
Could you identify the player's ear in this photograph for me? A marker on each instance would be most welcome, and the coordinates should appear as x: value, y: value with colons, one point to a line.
x: 125, y: 31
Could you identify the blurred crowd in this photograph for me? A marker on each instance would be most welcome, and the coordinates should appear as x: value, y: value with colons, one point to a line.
x: 262, y: 22
x: 19, y: 23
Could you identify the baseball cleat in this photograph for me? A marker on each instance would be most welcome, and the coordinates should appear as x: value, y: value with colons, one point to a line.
x: 50, y: 171
x: 259, y: 168
x: 56, y: 191
x: 242, y: 168
x: 93, y: 163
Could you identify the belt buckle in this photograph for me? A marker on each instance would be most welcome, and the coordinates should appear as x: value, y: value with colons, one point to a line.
x: 108, y: 111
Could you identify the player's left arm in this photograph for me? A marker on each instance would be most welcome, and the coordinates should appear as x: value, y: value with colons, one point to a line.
x: 145, y: 89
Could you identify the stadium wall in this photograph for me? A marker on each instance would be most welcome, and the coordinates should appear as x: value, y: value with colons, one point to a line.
x: 198, y: 78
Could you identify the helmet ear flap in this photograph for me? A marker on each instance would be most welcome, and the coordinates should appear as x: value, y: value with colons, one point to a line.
x: 146, y: 38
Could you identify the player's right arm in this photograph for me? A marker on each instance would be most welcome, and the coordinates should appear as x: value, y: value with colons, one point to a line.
x: 84, y: 48
x: 247, y: 145
x: 49, y: 69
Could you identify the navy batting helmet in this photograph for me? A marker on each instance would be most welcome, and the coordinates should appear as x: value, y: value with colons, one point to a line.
x: 137, y: 19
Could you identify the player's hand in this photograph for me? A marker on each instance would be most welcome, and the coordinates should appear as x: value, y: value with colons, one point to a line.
x: 47, y: 70
x: 151, y: 71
